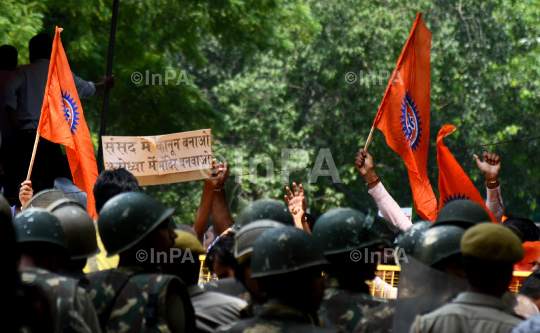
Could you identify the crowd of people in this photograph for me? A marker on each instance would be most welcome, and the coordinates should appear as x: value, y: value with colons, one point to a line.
x: 277, y: 268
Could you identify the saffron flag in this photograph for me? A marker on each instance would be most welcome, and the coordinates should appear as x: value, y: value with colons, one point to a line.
x: 404, y: 115
x: 62, y: 121
x: 453, y: 182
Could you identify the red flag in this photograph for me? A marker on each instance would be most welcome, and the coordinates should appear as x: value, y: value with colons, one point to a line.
x: 453, y: 182
x: 62, y: 121
x: 404, y: 115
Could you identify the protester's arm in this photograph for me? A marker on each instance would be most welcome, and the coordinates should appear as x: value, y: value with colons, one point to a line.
x: 490, y: 165
x: 107, y: 82
x: 386, y: 204
x: 203, y: 212
x: 205, y: 208
x: 87, y: 89
x: 297, y: 206
x: 221, y: 216
x: 26, y: 192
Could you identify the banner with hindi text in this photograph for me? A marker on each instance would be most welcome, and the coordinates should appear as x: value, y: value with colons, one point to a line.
x: 162, y: 159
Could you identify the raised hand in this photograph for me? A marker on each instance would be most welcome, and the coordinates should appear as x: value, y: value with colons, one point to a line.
x: 490, y: 165
x: 297, y: 204
x: 218, y: 174
x: 364, y: 165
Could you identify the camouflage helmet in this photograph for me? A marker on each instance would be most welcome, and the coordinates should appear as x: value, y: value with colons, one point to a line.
x: 438, y: 243
x: 284, y: 250
x: 245, y: 238
x: 462, y: 213
x: 38, y: 225
x: 5, y: 209
x: 127, y: 218
x: 264, y: 209
x: 78, y: 226
x: 344, y: 229
x: 408, y: 240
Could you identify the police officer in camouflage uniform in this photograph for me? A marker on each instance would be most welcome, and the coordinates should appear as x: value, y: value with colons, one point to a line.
x: 261, y: 209
x: 42, y: 243
x: 287, y: 264
x: 344, y: 234
x: 27, y: 310
x: 252, y: 221
x: 243, y: 248
x: 135, y: 297
x: 80, y: 236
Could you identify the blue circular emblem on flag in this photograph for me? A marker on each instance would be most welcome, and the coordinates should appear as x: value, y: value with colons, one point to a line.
x: 70, y: 111
x: 451, y: 197
x: 410, y: 121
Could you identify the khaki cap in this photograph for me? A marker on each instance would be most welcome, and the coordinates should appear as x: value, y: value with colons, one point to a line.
x: 492, y: 242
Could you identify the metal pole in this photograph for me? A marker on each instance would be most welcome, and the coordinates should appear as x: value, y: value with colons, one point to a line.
x: 112, y: 39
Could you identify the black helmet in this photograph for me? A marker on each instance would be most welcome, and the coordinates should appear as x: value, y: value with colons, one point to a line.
x: 462, y: 213
x: 38, y: 225
x: 78, y: 226
x: 264, y: 209
x: 344, y: 229
x: 383, y: 228
x: 127, y: 218
x: 439, y: 243
x: 408, y: 240
x: 284, y: 250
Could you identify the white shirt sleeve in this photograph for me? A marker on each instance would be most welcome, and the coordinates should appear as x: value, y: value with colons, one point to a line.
x: 389, y: 207
x: 85, y: 89
x: 494, y: 203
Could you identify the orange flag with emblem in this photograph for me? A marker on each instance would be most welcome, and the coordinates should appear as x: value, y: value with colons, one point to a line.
x: 453, y: 181
x: 62, y: 121
x: 404, y: 115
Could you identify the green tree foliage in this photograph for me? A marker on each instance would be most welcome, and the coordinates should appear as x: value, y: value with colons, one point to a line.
x: 270, y: 74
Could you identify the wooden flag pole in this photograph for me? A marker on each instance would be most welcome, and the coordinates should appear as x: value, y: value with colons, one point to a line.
x: 33, y: 156
x: 110, y: 56
x: 369, y: 137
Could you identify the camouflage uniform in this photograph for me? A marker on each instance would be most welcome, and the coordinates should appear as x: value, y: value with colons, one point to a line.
x: 338, y: 232
x: 70, y: 305
x: 346, y: 308
x: 277, y: 319
x: 378, y: 319
x: 127, y: 300
x: 228, y: 286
